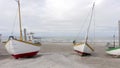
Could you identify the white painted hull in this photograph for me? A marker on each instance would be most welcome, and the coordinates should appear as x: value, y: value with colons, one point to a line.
x: 114, y: 52
x: 82, y: 48
x: 15, y: 47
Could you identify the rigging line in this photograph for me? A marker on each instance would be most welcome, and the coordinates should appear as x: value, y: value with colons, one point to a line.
x: 90, y: 22
x: 14, y: 22
x: 83, y: 24
x: 85, y: 21
x: 94, y: 20
x: 94, y: 27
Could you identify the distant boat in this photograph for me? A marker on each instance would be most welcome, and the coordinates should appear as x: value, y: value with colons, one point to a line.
x: 20, y: 48
x: 114, y: 50
x: 84, y: 48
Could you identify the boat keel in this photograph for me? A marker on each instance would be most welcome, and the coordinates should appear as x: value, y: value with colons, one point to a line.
x: 82, y: 53
x: 25, y: 55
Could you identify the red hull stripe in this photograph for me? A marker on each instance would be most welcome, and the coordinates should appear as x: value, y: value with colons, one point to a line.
x: 82, y: 53
x: 30, y: 54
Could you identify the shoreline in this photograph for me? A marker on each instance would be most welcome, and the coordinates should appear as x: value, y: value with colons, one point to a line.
x: 61, y: 55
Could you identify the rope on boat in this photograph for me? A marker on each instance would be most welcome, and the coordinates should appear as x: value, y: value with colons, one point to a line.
x: 90, y: 22
x: 14, y: 23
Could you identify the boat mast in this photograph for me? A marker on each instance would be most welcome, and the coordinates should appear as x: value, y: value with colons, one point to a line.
x: 114, y: 40
x: 25, y: 34
x: 86, y: 39
x: 21, y: 38
x: 119, y: 31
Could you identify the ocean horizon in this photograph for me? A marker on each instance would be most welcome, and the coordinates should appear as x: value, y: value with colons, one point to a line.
x: 64, y: 39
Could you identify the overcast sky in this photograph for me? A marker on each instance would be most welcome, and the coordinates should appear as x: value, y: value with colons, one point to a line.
x: 60, y: 17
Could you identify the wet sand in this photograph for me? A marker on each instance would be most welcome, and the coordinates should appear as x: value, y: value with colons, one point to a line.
x: 60, y: 55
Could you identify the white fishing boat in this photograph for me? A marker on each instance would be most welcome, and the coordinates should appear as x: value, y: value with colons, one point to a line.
x: 20, y: 48
x: 84, y: 48
x: 114, y: 50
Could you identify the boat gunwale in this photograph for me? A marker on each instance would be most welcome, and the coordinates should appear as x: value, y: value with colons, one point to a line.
x: 25, y: 42
x: 110, y: 49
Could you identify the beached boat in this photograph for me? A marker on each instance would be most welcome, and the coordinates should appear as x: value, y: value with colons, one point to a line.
x: 20, y: 48
x: 84, y: 48
x: 114, y: 50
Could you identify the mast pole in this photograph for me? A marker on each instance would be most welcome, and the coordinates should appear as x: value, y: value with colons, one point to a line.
x: 86, y: 39
x: 114, y: 41
x: 25, y: 34
x: 119, y: 31
x: 21, y: 38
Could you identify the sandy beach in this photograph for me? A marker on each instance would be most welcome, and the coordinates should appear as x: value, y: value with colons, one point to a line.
x: 60, y: 55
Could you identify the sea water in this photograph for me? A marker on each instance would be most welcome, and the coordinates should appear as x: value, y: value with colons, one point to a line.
x: 71, y: 39
x: 64, y: 39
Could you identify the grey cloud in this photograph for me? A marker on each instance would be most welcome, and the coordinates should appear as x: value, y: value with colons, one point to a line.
x: 66, y: 16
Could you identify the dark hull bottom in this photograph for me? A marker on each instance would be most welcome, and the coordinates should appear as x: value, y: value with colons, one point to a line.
x: 25, y: 55
x: 82, y: 53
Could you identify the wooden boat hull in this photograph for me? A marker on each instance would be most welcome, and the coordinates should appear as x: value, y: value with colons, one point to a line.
x: 113, y: 51
x: 20, y: 49
x: 82, y: 49
x: 27, y: 55
x: 82, y: 53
